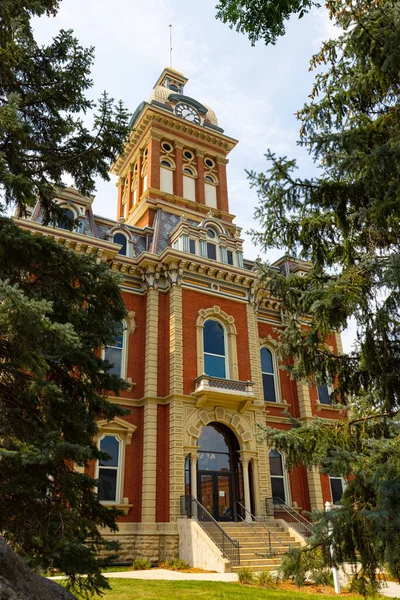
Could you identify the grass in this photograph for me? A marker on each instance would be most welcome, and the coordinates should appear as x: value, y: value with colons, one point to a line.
x: 126, y: 589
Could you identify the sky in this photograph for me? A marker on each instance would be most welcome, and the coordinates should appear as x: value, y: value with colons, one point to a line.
x: 254, y: 91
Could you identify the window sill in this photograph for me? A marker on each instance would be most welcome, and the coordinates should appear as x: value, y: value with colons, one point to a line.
x: 337, y: 409
x: 281, y: 404
x: 122, y: 507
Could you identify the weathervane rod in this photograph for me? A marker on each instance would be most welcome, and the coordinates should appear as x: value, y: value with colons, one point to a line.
x: 170, y: 46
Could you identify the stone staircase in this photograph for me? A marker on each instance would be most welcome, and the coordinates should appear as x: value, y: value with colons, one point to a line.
x: 253, y: 550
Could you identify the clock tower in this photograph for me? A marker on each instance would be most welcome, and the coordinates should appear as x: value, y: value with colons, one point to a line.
x: 175, y: 158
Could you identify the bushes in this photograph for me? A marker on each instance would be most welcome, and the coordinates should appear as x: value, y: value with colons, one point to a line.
x: 263, y: 579
x: 141, y: 564
x: 302, y: 563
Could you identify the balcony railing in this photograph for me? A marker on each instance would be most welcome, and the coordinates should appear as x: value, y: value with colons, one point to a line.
x: 225, y: 391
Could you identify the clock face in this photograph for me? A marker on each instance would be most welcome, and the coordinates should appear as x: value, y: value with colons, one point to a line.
x: 187, y: 112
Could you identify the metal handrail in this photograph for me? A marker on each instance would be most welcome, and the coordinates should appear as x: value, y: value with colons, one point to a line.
x: 300, y: 524
x: 192, y: 509
x: 269, y: 532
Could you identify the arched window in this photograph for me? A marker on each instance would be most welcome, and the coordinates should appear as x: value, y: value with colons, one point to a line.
x: 166, y: 163
x: 278, y: 477
x: 66, y: 220
x: 268, y: 375
x: 115, y: 352
x: 167, y: 167
x: 119, y: 238
x: 109, y: 469
x: 215, y: 363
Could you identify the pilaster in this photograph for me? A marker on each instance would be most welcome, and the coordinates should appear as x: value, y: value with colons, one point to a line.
x: 151, y: 358
x: 314, y: 486
x: 303, y: 393
x: 254, y: 352
x: 178, y: 173
x: 222, y: 190
x: 177, y: 458
x: 200, y: 193
x: 149, y: 478
x: 175, y: 330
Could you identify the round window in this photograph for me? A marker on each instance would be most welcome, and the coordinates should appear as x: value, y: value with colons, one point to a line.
x: 166, y: 146
x: 210, y: 163
x: 189, y: 155
x: 210, y: 232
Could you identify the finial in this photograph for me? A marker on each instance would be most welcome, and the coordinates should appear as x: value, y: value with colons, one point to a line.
x: 170, y: 46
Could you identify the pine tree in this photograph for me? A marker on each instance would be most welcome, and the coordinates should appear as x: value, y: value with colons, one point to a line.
x: 57, y: 308
x: 44, y: 109
x: 346, y: 222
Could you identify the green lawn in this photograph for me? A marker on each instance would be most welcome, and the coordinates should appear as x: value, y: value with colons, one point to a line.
x: 128, y: 589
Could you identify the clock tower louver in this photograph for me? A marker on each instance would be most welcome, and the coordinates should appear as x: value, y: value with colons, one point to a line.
x: 196, y: 347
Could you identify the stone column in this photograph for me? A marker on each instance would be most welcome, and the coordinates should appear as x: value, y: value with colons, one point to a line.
x: 177, y: 458
x: 257, y: 490
x: 246, y: 486
x: 193, y: 473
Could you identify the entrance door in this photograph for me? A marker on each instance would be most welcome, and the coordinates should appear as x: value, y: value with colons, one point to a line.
x: 219, y: 473
x: 215, y: 494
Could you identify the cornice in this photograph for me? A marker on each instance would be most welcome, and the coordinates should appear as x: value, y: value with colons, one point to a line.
x: 217, y: 141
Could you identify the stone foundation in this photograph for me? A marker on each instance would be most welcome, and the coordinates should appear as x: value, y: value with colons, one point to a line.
x: 156, y: 548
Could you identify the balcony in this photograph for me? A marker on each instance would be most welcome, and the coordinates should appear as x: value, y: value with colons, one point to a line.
x: 223, y: 392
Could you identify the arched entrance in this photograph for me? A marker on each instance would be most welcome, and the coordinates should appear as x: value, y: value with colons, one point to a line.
x: 219, y: 472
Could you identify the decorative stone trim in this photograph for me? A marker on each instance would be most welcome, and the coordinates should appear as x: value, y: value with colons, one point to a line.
x: 229, y: 323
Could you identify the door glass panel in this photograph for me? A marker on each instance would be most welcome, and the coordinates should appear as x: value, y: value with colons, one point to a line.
x: 206, y: 492
x: 211, y: 461
x: 224, y: 497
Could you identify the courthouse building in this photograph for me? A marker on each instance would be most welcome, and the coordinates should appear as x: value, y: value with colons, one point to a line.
x: 196, y: 346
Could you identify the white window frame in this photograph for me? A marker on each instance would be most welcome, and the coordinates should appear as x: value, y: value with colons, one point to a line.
x: 124, y: 350
x: 285, y: 477
x: 226, y: 357
x: 275, y: 366
x: 121, y: 461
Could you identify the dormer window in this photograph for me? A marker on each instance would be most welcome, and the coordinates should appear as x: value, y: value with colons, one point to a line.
x: 67, y: 221
x: 120, y: 239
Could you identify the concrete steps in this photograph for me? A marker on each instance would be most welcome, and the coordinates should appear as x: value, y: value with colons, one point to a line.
x: 256, y: 554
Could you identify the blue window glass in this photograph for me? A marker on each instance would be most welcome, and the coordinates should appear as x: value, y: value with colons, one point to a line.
x: 230, y: 257
x: 110, y: 445
x: 108, y: 469
x: 323, y: 394
x: 268, y: 376
x: 120, y: 239
x: 192, y: 247
x: 113, y: 352
x: 214, y: 349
